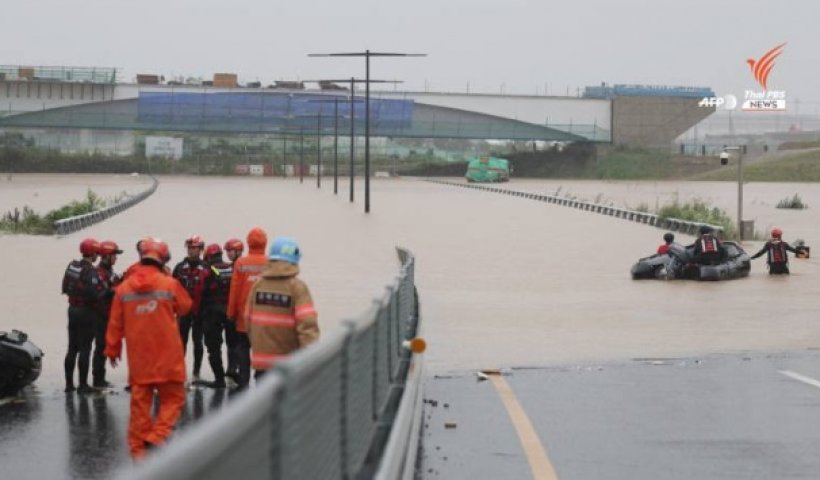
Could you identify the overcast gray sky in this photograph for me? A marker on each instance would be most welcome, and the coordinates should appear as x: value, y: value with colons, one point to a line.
x: 522, y: 44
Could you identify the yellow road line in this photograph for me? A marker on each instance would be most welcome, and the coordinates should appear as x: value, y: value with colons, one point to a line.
x: 540, y: 464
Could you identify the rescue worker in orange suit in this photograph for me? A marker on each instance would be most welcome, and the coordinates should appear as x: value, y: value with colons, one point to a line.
x: 144, y: 312
x: 105, y: 269
x: 233, y: 250
x: 191, y: 273
x: 668, y: 240
x: 281, y: 317
x: 214, y: 308
x: 82, y: 285
x: 246, y: 271
x: 775, y: 250
x: 708, y: 250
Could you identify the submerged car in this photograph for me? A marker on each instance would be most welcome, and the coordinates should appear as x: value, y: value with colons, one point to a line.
x: 679, y: 264
x: 20, y: 362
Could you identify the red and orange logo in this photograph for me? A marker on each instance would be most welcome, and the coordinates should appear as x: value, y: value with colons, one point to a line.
x: 763, y: 66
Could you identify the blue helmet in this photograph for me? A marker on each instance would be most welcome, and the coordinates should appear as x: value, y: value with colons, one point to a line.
x: 285, y: 249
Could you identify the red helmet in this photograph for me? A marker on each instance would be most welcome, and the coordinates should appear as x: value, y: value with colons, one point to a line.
x: 212, y: 249
x: 777, y: 233
x: 195, y: 241
x: 109, y: 248
x: 155, y: 249
x: 235, y: 244
x: 89, y: 247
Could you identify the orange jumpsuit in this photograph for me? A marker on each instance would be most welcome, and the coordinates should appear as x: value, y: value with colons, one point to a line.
x: 144, y: 312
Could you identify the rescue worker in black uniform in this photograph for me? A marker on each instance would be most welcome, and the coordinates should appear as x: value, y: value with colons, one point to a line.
x: 233, y: 250
x: 84, y: 289
x: 108, y: 252
x: 708, y: 250
x: 214, y: 308
x: 776, y: 257
x: 191, y: 273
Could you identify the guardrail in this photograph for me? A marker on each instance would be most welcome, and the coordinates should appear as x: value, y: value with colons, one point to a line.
x: 347, y: 407
x: 79, y: 222
x: 666, y: 223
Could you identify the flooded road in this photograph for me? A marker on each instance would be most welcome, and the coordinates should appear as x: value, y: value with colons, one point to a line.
x: 44, y: 192
x: 503, y: 281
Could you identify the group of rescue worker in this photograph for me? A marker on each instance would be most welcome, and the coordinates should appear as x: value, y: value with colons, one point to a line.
x: 709, y: 250
x: 257, y: 302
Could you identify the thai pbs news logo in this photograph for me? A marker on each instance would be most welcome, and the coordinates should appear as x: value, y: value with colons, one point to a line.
x: 755, y: 100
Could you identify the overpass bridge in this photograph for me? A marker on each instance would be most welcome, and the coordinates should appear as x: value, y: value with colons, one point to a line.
x: 88, y: 100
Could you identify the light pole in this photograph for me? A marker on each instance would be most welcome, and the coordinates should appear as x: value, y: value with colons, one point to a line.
x: 367, y: 54
x: 353, y: 81
x: 739, y: 187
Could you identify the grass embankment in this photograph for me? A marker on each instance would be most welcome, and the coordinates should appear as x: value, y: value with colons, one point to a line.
x: 700, y: 212
x: 802, y: 167
x: 31, y: 222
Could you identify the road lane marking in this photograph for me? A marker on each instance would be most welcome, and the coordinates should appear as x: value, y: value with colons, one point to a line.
x: 540, y: 464
x: 801, y: 378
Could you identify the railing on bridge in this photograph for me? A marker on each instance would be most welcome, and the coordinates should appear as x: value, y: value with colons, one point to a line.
x: 79, y: 222
x: 59, y: 74
x: 666, y: 223
x: 346, y: 407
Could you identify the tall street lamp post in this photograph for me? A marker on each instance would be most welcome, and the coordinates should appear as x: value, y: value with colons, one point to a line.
x: 367, y: 54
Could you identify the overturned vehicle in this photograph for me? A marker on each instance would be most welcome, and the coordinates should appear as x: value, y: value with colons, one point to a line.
x: 680, y: 263
x: 20, y: 362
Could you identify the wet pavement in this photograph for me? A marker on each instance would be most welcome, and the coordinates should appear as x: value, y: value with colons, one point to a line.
x: 716, y: 417
x: 504, y: 282
x: 49, y: 434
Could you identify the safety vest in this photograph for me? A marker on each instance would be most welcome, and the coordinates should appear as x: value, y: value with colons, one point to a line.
x: 708, y: 244
x: 218, y: 283
x: 80, y: 283
x: 191, y: 274
x: 777, y: 252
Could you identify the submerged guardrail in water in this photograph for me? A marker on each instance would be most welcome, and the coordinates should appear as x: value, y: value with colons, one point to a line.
x: 79, y: 222
x: 673, y: 224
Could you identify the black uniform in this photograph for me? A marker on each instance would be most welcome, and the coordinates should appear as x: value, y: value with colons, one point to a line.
x: 191, y: 274
x: 109, y: 280
x: 776, y: 257
x: 214, y: 319
x: 84, y: 289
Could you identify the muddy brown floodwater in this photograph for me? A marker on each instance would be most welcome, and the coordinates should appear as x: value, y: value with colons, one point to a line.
x: 503, y: 281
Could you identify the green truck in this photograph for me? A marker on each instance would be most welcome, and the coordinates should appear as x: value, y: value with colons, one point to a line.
x: 488, y: 170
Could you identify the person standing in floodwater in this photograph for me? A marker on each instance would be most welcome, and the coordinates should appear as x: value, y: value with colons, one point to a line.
x: 777, y: 259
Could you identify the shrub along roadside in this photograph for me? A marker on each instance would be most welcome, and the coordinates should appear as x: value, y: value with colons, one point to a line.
x: 700, y: 212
